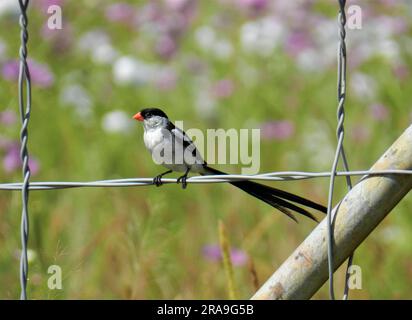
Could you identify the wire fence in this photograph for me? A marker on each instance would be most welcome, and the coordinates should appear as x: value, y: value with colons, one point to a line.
x: 139, y: 182
x: 340, y: 151
x: 25, y: 109
x: 26, y: 185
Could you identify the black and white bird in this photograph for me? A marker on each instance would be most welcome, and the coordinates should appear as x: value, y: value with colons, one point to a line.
x: 172, y: 148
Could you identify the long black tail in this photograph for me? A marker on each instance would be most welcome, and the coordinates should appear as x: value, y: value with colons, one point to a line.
x: 278, y: 199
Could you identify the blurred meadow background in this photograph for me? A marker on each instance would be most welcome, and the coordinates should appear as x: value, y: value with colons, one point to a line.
x: 214, y: 64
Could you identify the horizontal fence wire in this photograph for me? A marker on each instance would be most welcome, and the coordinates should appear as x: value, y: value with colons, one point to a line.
x: 136, y: 182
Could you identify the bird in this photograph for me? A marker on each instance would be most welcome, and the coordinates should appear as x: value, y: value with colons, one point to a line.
x: 172, y: 148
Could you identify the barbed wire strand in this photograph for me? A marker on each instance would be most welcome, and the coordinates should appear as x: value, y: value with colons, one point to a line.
x: 25, y: 108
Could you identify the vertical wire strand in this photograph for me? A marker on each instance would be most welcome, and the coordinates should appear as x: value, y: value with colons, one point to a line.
x: 25, y: 108
x: 339, y: 149
x: 342, y: 97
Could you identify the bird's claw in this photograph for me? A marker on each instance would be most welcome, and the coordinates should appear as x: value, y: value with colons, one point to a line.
x: 158, y: 180
x: 182, y: 179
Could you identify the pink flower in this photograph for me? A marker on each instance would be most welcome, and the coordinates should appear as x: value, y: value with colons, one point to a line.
x: 34, y: 166
x: 8, y: 117
x: 379, y: 111
x: 150, y: 12
x: 238, y: 257
x: 223, y: 88
x: 396, y: 25
x: 120, y: 12
x: 40, y: 73
x: 45, y: 4
x: 10, y: 70
x: 277, y: 130
x: 214, y: 253
x: 166, y: 80
x: 176, y: 4
x: 166, y: 47
x: 401, y: 71
x: 296, y: 42
x: 195, y: 66
x: 61, y: 40
x: 360, y: 133
x: 253, y: 6
x: 12, y: 161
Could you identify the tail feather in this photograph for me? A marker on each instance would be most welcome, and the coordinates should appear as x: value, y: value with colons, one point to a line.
x: 272, y: 201
x: 262, y: 193
x: 274, y: 197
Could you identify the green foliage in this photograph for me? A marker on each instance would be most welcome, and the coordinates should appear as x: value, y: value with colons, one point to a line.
x: 146, y: 242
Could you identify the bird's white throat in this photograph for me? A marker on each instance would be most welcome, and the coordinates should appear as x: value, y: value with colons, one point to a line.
x: 153, y: 137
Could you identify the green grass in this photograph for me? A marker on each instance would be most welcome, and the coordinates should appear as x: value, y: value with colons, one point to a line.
x: 146, y: 242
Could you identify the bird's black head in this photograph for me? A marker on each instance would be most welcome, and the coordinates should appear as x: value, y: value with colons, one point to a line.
x: 148, y: 113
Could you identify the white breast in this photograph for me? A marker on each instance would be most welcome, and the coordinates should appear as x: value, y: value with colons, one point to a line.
x: 153, y: 138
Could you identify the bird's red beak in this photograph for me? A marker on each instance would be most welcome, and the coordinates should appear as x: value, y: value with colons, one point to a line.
x: 138, y: 117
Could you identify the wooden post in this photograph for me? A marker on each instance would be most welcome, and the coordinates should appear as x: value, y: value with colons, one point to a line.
x: 354, y: 218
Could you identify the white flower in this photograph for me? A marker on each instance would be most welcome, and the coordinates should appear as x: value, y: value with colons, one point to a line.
x: 388, y: 49
x: 326, y: 32
x: 376, y: 39
x: 323, y: 53
x: 209, y: 42
x: 363, y: 85
x: 89, y: 40
x: 310, y: 60
x: 9, y: 7
x: 205, y: 37
x: 205, y: 103
x: 262, y: 36
x: 326, y: 38
x: 128, y: 70
x: 124, y: 69
x: 117, y: 121
x: 76, y: 96
x: 223, y: 49
x: 316, y: 138
x: 104, y: 54
x: 98, y: 45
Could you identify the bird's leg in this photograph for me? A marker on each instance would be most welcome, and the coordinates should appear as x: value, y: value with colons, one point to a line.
x: 183, y: 178
x: 158, y: 179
